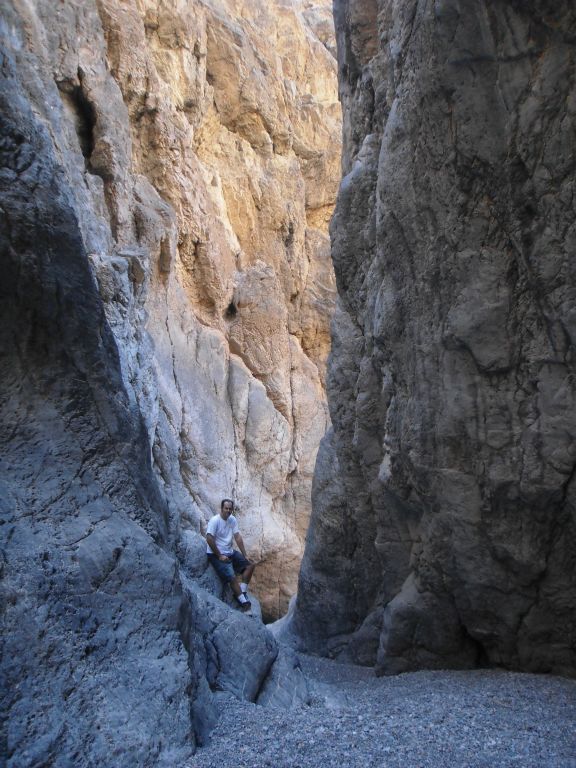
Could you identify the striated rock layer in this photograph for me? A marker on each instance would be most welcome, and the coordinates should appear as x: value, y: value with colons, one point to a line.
x: 444, y: 525
x: 168, y: 170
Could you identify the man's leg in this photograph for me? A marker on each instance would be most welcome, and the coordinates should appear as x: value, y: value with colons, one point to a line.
x: 247, y: 573
x: 239, y: 593
x: 226, y: 573
x: 244, y: 568
x: 235, y: 586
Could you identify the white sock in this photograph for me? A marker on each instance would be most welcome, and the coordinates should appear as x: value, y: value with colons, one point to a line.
x: 242, y: 598
x: 244, y: 588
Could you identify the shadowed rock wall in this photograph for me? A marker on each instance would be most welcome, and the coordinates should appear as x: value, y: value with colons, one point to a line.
x: 92, y: 610
x: 444, y: 525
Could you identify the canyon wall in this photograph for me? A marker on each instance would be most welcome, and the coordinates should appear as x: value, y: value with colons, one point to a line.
x: 205, y: 163
x: 168, y: 172
x: 444, y: 524
x: 233, y: 149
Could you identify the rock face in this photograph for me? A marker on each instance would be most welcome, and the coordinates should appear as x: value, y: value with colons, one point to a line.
x: 444, y: 526
x: 205, y: 163
x: 83, y: 522
x: 168, y: 171
x: 234, y: 148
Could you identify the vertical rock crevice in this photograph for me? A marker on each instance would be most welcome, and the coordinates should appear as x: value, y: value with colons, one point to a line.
x: 83, y: 115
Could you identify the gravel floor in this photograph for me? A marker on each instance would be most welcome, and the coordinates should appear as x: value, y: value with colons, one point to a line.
x: 478, y: 719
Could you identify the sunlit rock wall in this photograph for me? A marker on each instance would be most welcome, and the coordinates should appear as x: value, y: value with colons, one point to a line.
x: 233, y: 123
x: 444, y: 530
x: 202, y: 144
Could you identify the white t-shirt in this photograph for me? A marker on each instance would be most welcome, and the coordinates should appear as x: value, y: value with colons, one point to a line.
x: 223, y: 531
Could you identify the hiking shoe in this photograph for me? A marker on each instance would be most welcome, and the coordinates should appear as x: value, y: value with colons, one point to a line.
x: 245, y: 606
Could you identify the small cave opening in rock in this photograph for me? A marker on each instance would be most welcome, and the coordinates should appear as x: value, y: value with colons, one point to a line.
x: 83, y: 116
x: 231, y: 311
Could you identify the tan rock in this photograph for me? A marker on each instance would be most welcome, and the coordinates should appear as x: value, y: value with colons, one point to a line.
x: 229, y: 113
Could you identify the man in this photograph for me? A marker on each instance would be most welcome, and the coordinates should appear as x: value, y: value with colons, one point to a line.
x: 227, y: 561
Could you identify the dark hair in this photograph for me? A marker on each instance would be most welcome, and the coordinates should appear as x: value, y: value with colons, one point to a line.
x: 226, y: 501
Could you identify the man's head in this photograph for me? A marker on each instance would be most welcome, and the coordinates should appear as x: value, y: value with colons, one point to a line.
x: 226, y: 508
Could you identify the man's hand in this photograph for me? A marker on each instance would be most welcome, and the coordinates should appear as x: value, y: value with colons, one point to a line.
x: 223, y: 559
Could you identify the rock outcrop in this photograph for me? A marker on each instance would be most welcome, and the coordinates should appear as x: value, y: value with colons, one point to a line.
x: 168, y: 171
x: 444, y: 525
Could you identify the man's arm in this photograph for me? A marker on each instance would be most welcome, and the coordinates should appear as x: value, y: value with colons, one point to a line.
x: 212, y: 544
x: 240, y: 541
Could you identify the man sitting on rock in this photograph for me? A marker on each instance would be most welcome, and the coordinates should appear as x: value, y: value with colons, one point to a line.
x: 227, y: 561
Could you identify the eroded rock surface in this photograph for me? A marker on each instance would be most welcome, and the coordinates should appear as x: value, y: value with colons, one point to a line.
x: 444, y: 530
x: 202, y: 144
x: 94, y: 664
x: 168, y: 171
x: 229, y: 116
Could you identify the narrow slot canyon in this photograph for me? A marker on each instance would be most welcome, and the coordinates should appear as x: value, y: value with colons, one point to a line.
x: 318, y: 260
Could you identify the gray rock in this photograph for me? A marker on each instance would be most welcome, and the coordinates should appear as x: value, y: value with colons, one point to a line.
x: 451, y: 381
x: 191, y: 550
x: 239, y: 650
x: 95, y: 668
x: 107, y: 656
x: 286, y: 685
